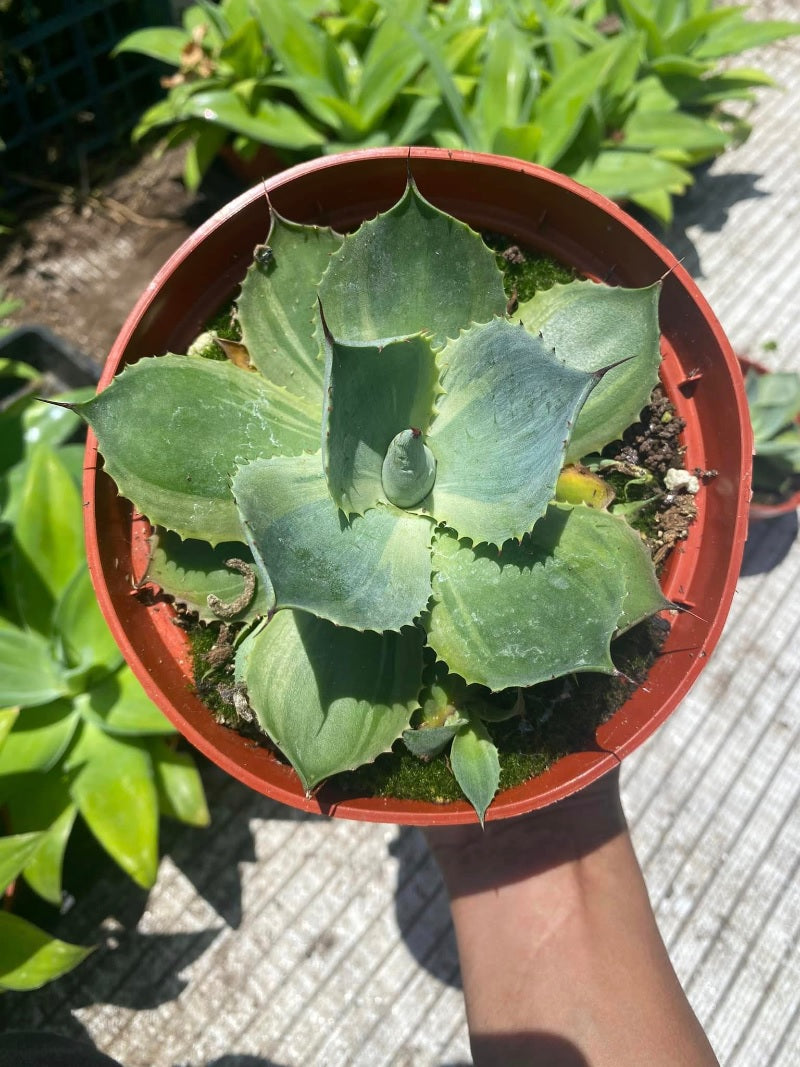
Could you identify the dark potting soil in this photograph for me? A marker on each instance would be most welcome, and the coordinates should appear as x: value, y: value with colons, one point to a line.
x: 560, y: 716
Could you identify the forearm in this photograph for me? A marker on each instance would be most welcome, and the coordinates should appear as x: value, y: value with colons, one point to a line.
x: 560, y: 953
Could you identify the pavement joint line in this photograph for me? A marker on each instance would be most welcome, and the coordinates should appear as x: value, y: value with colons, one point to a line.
x: 733, y: 783
x: 335, y: 962
x: 173, y: 965
x: 741, y: 891
x: 726, y: 643
x: 420, y: 975
x: 287, y: 923
x: 693, y: 983
x: 403, y: 928
x: 766, y: 988
x: 701, y: 770
x: 689, y: 849
x: 402, y: 931
x: 782, y: 1038
x: 423, y: 1001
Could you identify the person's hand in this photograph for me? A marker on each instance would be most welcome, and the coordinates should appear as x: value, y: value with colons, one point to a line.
x: 473, y: 859
x: 561, y: 960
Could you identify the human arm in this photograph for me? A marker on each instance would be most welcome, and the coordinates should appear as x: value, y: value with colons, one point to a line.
x: 561, y: 959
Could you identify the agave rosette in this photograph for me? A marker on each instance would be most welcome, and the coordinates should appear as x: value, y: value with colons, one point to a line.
x: 387, y: 465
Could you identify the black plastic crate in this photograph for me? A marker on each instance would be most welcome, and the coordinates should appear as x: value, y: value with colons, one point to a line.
x: 62, y: 96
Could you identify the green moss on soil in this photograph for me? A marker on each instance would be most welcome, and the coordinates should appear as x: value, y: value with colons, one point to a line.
x: 526, y: 272
x: 561, y: 716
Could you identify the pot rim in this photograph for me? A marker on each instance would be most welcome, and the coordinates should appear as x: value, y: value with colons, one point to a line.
x: 575, y: 770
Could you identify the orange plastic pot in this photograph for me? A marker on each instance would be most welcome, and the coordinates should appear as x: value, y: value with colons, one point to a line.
x: 536, y: 208
x: 791, y: 503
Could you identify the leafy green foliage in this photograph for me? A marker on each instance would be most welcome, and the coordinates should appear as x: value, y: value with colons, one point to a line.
x: 418, y: 372
x: 774, y: 402
x: 78, y: 735
x: 624, y: 95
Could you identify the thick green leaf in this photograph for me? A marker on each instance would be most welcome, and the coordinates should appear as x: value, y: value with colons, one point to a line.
x: 269, y: 122
x: 41, y: 802
x: 390, y: 61
x: 476, y: 765
x: 172, y: 428
x: 619, y: 174
x: 562, y: 106
x: 541, y: 608
x: 8, y: 716
x: 29, y: 958
x: 119, y: 705
x: 412, y: 269
x: 372, y: 572
x: 48, y: 537
x: 591, y: 326
x: 244, y: 52
x: 28, y: 674
x: 740, y: 35
x: 159, y: 42
x: 39, y: 738
x: 674, y: 130
x: 277, y: 307
x: 180, y: 789
x: 774, y: 402
x: 501, y: 430
x: 428, y: 741
x: 503, y: 95
x: 115, y: 791
x: 15, y: 851
x: 82, y: 631
x: 191, y: 571
x: 331, y: 698
x: 373, y: 394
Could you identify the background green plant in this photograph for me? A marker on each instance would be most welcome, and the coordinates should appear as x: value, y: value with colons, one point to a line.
x: 625, y: 95
x: 78, y: 736
x: 774, y: 402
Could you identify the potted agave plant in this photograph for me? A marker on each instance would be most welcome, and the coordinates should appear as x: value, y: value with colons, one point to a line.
x: 381, y: 483
x: 773, y: 399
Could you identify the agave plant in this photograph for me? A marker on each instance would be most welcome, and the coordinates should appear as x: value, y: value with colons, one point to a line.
x: 369, y: 483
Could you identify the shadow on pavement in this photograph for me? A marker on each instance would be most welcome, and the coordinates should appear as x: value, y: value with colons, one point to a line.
x: 769, y: 542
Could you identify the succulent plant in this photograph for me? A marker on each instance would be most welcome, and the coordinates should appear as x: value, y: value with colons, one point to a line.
x: 774, y: 402
x: 381, y: 454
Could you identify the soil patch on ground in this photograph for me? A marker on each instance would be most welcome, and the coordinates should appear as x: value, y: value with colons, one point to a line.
x: 78, y: 258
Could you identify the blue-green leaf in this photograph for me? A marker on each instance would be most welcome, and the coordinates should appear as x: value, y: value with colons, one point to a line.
x: 374, y: 393
x: 371, y: 572
x: 476, y: 765
x: 501, y: 430
x: 172, y: 428
x: 412, y: 269
x: 277, y: 308
x: 192, y: 571
x: 332, y: 698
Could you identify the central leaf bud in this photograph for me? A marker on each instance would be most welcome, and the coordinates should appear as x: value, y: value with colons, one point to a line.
x: 409, y: 469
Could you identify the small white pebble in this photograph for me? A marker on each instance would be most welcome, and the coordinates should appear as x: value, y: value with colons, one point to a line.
x: 681, y: 479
